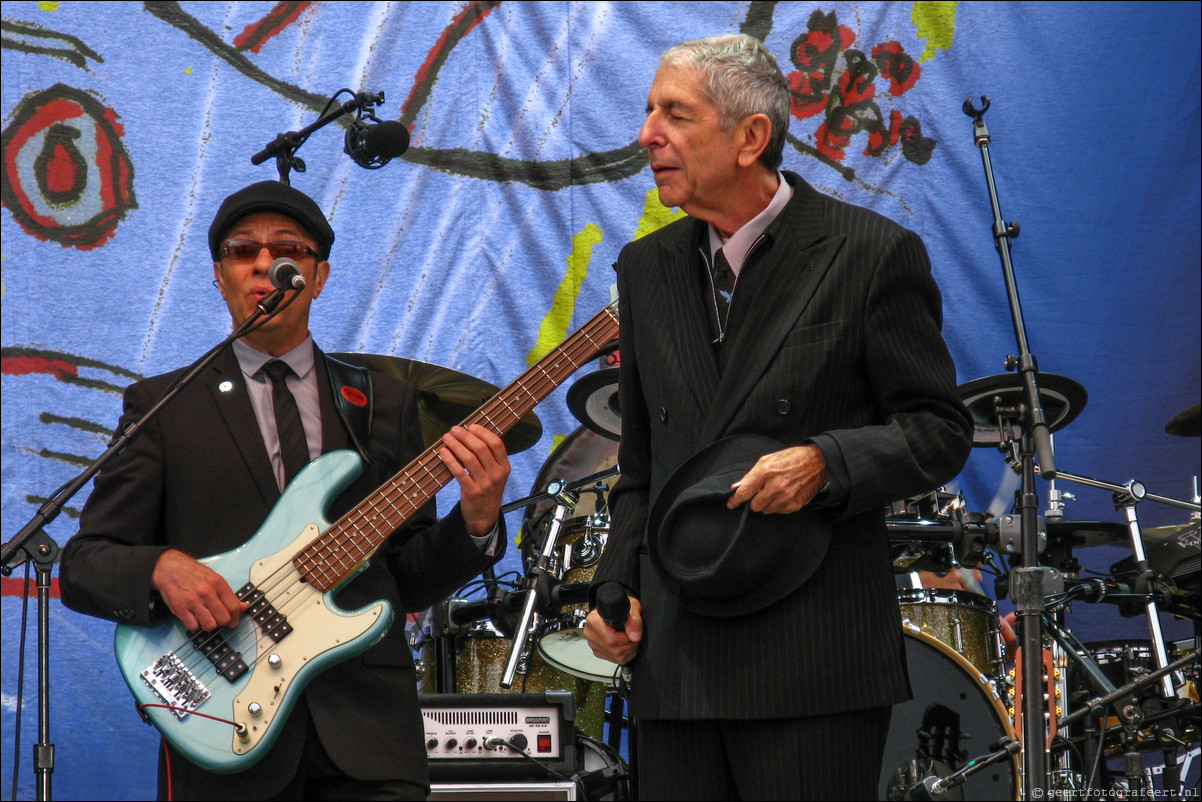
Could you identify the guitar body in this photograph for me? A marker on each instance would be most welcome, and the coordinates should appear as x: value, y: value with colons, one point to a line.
x: 253, y: 674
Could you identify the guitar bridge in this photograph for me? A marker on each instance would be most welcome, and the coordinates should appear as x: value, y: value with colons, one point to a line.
x: 175, y: 684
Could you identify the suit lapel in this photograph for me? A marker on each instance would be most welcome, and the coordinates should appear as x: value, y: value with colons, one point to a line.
x: 684, y: 327
x: 781, y: 288
x: 227, y: 386
x: 333, y: 433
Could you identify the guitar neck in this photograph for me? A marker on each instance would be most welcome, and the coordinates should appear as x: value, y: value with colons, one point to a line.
x: 329, y: 559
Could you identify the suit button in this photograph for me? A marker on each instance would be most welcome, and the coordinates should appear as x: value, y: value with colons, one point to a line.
x: 782, y: 406
x: 663, y: 415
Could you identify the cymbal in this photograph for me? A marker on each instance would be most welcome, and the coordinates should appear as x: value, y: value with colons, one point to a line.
x: 593, y: 399
x: 1062, y: 400
x: 445, y: 397
x: 1187, y: 423
x: 1155, y: 534
x: 1086, y: 533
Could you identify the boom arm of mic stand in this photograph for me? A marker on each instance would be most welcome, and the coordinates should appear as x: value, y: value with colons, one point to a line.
x: 285, y: 145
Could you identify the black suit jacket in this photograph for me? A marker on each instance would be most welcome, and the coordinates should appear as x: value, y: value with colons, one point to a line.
x: 198, y: 478
x: 833, y: 338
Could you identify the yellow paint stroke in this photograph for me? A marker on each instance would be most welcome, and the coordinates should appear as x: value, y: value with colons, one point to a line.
x: 655, y: 215
x: 187, y: 70
x: 936, y: 22
x: 555, y: 323
x: 49, y: 6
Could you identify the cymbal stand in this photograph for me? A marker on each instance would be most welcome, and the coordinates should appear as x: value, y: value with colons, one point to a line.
x: 1126, y: 498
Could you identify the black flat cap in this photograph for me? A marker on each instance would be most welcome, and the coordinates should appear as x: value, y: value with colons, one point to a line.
x: 271, y: 196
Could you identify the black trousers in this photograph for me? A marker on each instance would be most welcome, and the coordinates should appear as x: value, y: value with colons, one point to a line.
x: 820, y: 757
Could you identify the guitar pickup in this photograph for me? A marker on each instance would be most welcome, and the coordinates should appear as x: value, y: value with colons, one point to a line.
x: 273, y: 623
x: 227, y: 661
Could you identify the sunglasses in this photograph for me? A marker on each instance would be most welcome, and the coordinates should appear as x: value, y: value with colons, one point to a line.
x: 247, y: 250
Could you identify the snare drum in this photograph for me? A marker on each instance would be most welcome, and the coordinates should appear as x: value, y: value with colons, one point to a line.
x: 967, y: 622
x: 481, y: 652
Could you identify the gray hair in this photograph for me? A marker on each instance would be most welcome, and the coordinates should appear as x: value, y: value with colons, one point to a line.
x: 741, y: 79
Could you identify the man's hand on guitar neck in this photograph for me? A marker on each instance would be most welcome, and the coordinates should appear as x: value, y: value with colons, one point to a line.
x: 478, y: 461
x: 198, y: 596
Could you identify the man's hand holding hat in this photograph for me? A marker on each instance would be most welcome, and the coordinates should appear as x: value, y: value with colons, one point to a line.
x: 782, y: 481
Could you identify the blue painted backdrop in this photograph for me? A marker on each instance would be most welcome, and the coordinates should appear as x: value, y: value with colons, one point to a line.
x: 125, y: 124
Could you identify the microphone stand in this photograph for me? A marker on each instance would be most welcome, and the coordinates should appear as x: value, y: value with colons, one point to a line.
x: 285, y: 145
x: 1029, y: 580
x: 33, y: 544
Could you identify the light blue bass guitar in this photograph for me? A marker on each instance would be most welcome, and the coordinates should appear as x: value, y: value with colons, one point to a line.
x: 221, y: 697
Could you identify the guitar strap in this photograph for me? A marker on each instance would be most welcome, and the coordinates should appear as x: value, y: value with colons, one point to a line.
x: 351, y: 385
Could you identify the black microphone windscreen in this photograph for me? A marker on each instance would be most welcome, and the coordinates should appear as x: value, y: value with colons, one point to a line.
x: 613, y: 604
x: 285, y: 273
x: 387, y: 140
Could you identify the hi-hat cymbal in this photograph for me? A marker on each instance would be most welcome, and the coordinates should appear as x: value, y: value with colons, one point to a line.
x: 445, y: 397
x: 1062, y: 400
x: 1187, y: 423
x: 593, y: 399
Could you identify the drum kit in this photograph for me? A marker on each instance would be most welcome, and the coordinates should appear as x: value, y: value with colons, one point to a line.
x: 1107, y: 703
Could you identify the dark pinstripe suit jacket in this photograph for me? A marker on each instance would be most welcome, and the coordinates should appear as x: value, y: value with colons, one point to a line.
x: 836, y: 340
x: 198, y: 478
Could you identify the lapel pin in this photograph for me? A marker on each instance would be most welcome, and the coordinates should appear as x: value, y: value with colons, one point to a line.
x: 354, y: 396
x: 226, y: 386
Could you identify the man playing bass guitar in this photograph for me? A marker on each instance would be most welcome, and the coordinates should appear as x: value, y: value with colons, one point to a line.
x: 206, y: 472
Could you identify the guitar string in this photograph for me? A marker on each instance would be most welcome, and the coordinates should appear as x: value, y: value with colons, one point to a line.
x: 346, y: 528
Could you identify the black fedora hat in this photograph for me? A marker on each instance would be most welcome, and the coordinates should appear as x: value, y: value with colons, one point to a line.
x: 271, y: 196
x: 725, y: 562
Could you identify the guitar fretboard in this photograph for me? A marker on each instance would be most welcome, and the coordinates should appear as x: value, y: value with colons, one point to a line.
x: 330, y: 558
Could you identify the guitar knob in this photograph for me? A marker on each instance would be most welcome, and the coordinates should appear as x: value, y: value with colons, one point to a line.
x: 255, y: 709
x: 274, y: 661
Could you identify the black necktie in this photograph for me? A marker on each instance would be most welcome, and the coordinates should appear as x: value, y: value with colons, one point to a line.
x: 294, y: 448
x: 724, y: 285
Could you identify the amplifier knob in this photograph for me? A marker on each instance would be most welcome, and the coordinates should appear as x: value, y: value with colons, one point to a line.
x: 519, y: 741
x: 452, y: 743
x: 470, y: 743
x: 431, y: 744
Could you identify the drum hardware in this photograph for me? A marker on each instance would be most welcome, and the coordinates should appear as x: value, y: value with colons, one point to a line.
x: 565, y: 495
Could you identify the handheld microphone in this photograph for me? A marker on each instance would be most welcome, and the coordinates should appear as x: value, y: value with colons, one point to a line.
x: 286, y: 274
x: 373, y: 146
x: 613, y: 605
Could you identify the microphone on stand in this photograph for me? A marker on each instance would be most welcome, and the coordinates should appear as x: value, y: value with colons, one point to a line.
x: 286, y: 274
x: 373, y: 146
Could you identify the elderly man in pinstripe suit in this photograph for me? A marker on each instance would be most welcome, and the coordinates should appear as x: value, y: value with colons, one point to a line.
x: 770, y: 310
